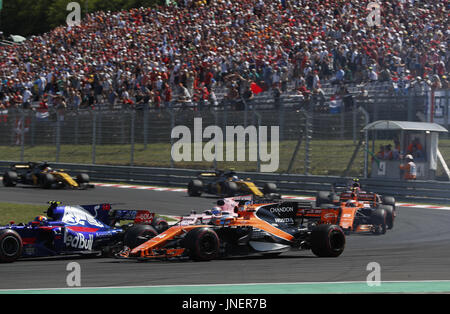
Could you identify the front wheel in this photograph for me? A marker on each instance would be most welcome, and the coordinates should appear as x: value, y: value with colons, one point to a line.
x: 202, y: 244
x: 327, y: 241
x: 47, y: 180
x: 379, y: 220
x: 82, y: 178
x: 390, y: 215
x: 195, y: 188
x: 270, y: 188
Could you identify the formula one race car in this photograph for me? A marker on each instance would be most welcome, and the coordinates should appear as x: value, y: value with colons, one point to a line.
x: 42, y: 175
x: 341, y: 193
x: 351, y: 216
x: 240, y: 228
x: 77, y: 230
x: 228, y: 184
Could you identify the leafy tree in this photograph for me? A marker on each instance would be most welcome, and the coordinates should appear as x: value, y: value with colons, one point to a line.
x: 31, y: 17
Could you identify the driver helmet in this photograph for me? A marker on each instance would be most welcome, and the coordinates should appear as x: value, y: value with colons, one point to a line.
x: 351, y: 203
x: 235, y: 178
x: 40, y: 220
x: 216, y: 211
x: 356, y: 183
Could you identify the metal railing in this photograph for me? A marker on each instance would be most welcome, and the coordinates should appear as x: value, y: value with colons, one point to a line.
x: 418, y: 191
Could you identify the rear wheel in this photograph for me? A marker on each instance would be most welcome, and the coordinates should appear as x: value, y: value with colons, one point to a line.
x: 327, y: 241
x: 202, y: 244
x: 160, y: 225
x: 47, y: 180
x: 230, y: 188
x: 138, y: 234
x: 10, y: 179
x: 10, y: 246
x: 322, y: 198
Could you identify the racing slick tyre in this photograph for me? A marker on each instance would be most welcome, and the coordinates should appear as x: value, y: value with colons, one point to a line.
x: 160, y: 225
x: 10, y: 246
x: 379, y: 220
x: 10, y: 179
x: 82, y: 178
x: 202, y: 244
x: 327, y: 241
x: 230, y: 188
x: 46, y: 180
x: 195, y: 188
x: 138, y: 234
x: 322, y: 198
x: 389, y: 200
x: 390, y: 215
x: 270, y: 188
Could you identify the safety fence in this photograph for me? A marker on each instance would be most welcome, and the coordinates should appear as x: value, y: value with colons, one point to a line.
x: 315, y: 137
x: 306, y: 139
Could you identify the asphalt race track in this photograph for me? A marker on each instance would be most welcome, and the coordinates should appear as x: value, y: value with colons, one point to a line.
x: 416, y: 249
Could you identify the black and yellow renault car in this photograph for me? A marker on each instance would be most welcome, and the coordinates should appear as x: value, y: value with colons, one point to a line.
x: 42, y: 175
x: 228, y: 184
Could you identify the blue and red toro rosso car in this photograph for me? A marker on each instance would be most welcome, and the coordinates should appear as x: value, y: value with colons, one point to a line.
x: 77, y: 230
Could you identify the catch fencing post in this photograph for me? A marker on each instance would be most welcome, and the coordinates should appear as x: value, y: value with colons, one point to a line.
x: 258, y: 162
x: 94, y: 135
x: 145, y: 127
x: 22, y: 136
x: 172, y: 126
x: 133, y: 118
x: 58, y: 135
x: 281, y: 113
x: 77, y: 127
x: 366, y: 144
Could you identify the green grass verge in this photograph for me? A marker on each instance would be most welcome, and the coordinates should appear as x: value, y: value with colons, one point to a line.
x: 24, y: 213
x: 327, y: 157
x: 19, y: 212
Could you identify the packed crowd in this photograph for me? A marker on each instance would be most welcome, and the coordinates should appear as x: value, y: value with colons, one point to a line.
x: 186, y: 51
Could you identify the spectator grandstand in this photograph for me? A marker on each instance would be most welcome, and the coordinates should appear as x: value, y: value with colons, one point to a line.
x: 200, y: 53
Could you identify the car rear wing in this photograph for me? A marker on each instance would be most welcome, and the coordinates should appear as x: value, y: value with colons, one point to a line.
x: 137, y: 216
x: 328, y: 215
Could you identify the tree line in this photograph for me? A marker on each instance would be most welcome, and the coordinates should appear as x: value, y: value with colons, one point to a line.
x: 33, y: 17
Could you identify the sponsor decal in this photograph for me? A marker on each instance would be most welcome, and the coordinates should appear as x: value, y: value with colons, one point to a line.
x: 330, y: 216
x: 284, y: 220
x: 144, y: 217
x: 282, y: 210
x: 187, y: 221
x: 78, y: 241
x: 76, y: 216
